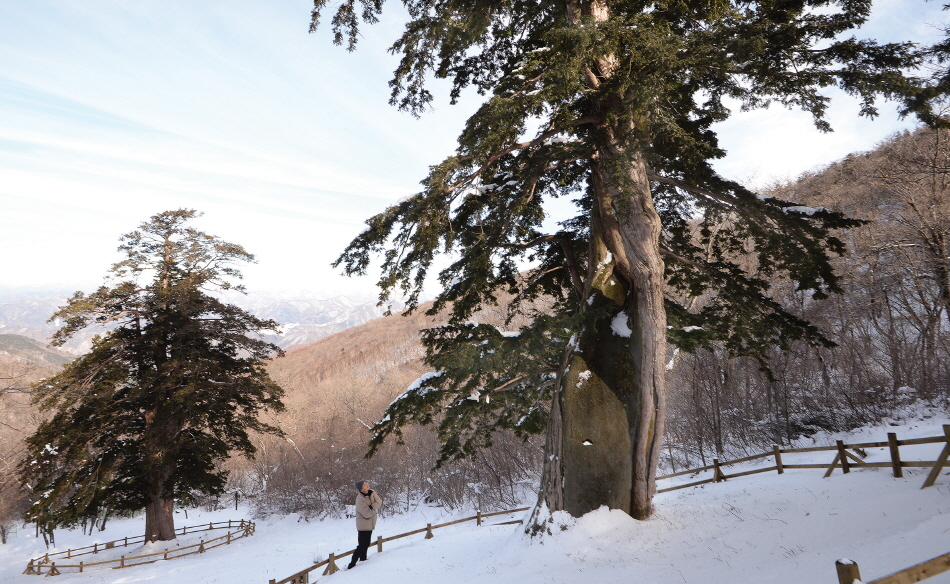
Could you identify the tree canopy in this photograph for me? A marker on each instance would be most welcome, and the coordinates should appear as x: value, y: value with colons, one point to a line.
x: 611, y: 103
x: 172, y: 389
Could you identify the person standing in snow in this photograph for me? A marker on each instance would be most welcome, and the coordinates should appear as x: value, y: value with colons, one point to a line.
x: 368, y: 503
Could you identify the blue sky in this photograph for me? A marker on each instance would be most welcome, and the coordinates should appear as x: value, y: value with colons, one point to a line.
x: 112, y: 111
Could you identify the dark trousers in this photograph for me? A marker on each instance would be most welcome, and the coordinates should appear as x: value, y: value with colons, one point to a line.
x: 363, y: 541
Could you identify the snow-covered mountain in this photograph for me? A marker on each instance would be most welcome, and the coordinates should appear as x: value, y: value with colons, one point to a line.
x: 308, y: 317
x: 304, y: 317
x: 25, y: 312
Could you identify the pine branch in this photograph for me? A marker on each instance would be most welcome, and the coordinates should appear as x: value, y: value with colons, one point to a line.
x: 568, y: 255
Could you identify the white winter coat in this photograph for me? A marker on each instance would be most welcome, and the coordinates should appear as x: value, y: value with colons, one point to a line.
x: 366, y: 507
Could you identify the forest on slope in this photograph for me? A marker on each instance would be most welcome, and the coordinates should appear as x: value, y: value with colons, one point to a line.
x: 890, y: 329
x: 23, y: 361
x: 337, y: 389
x: 891, y: 324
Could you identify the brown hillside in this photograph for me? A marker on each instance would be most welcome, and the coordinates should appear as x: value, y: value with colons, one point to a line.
x: 22, y: 361
x: 339, y: 386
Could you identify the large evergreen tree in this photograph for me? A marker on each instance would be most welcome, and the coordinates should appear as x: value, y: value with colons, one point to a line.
x: 612, y: 102
x: 176, y: 385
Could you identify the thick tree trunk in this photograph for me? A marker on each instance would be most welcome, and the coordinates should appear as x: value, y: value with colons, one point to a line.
x: 159, y: 516
x: 607, y: 416
x: 160, y: 433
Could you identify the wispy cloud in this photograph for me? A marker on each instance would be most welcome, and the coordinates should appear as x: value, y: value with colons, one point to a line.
x: 111, y: 111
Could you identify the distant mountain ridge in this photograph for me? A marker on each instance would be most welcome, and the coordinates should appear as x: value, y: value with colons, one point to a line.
x: 304, y: 317
x: 26, y: 349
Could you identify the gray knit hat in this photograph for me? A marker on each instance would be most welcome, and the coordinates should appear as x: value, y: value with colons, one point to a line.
x: 359, y: 485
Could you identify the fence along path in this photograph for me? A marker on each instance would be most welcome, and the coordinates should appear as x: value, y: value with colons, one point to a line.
x: 303, y: 576
x: 848, y: 572
x: 844, y: 460
x: 235, y: 531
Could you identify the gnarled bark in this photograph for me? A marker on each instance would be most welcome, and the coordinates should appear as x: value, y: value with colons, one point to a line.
x: 607, y: 416
x: 159, y: 516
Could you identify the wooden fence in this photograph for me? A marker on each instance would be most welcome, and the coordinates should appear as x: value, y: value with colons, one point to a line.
x: 303, y: 576
x: 844, y: 460
x: 848, y: 572
x: 235, y: 531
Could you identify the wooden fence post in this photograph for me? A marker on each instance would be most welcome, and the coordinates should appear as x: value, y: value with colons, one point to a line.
x: 834, y: 463
x: 80, y: 567
x: 941, y: 460
x: 53, y: 570
x: 777, y: 452
x: 379, y: 543
x: 331, y: 566
x: 122, y: 562
x: 895, y: 447
x: 847, y: 571
x: 717, y: 472
x: 845, y: 465
x: 429, y: 531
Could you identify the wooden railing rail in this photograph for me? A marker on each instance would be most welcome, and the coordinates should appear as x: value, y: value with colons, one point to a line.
x: 844, y: 460
x: 848, y: 572
x: 240, y: 528
x: 125, y: 541
x: 303, y: 576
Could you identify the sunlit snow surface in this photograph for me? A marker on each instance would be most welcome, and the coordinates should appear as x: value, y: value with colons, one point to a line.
x: 761, y: 528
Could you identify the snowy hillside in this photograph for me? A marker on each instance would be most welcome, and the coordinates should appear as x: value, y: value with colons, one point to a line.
x: 786, y: 528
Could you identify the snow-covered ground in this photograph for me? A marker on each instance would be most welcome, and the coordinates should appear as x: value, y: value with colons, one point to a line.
x: 760, y: 528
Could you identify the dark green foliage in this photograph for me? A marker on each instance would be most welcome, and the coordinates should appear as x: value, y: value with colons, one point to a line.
x: 929, y: 102
x: 486, y: 380
x: 605, y: 84
x: 170, y: 391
